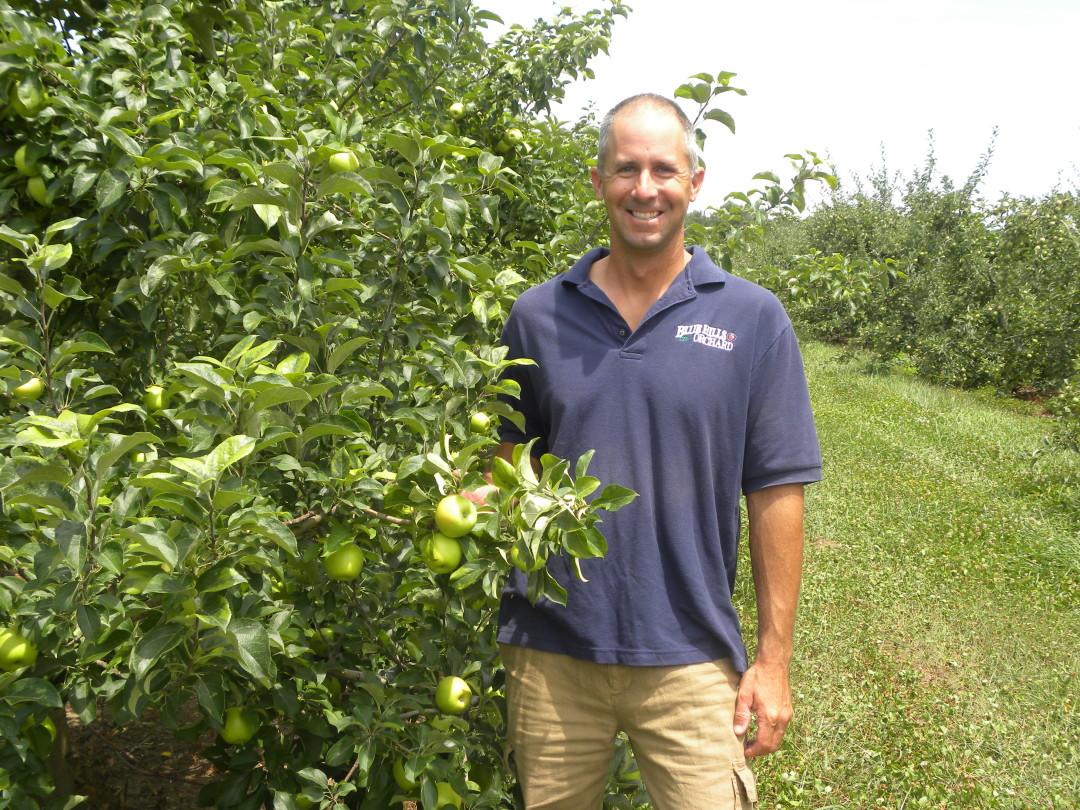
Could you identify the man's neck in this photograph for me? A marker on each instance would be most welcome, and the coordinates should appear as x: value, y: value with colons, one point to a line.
x: 638, y: 273
x: 635, y: 281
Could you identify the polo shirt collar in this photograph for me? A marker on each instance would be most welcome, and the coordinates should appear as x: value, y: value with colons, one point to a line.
x: 699, y: 270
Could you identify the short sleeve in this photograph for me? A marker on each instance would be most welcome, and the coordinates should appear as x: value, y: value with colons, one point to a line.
x: 781, y: 440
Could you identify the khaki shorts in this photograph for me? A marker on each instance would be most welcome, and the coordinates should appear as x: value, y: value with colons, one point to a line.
x: 564, y: 715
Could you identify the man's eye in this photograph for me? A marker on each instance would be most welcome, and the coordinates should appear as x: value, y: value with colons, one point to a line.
x: 626, y: 171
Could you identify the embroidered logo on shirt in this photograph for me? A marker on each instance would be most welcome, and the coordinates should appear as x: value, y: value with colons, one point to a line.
x: 712, y: 336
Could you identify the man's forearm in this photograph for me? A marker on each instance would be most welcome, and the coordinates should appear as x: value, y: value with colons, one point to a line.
x: 776, y: 555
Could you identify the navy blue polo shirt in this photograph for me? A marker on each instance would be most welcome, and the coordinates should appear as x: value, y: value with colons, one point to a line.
x: 704, y: 401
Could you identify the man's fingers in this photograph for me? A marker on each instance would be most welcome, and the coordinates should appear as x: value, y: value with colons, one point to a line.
x: 768, y: 739
x: 742, y: 714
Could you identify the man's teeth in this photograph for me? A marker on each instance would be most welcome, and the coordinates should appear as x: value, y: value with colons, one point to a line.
x: 645, y: 214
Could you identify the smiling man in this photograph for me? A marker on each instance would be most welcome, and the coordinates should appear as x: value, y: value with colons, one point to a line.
x: 688, y: 383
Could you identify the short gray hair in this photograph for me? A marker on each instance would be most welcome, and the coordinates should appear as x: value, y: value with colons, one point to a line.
x: 655, y: 100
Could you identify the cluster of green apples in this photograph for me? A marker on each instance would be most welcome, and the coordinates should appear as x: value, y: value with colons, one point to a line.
x: 511, y: 139
x: 455, y: 517
x: 453, y: 695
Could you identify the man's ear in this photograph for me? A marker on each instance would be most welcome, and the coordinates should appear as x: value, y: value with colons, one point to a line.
x: 597, y: 182
x: 695, y: 182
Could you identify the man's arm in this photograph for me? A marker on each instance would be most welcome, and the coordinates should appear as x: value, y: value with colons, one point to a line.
x: 776, y: 553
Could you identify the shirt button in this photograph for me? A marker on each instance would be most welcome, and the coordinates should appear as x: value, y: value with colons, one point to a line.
x: 622, y: 333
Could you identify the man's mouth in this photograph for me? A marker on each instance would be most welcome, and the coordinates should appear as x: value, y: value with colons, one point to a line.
x: 645, y: 215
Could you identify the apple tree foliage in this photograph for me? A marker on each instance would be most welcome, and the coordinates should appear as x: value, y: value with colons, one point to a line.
x: 170, y: 217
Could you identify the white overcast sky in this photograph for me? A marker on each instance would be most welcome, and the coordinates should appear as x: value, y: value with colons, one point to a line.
x: 850, y: 79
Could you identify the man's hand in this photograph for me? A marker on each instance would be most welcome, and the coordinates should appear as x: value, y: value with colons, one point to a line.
x: 479, y: 496
x: 764, y: 693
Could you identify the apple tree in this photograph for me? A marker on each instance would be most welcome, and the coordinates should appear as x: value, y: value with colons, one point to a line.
x: 252, y: 269
x: 254, y: 257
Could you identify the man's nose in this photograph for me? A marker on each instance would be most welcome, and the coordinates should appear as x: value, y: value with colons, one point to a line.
x: 645, y: 185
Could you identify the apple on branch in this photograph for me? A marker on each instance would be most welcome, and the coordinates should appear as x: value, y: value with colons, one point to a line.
x: 453, y: 695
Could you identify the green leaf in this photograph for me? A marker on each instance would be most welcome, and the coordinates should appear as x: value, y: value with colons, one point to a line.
x: 121, y: 139
x: 219, y: 578
x: 586, y: 485
x: 344, y: 183
x: 344, y: 352
x: 257, y: 196
x: 10, y: 285
x: 229, y: 452
x: 23, y: 241
x: 153, y: 645
x: 51, y: 257
x: 251, y: 643
x: 56, y: 227
x: 33, y: 690
x: 111, y: 187
x: 48, y: 472
x: 285, y: 174
x: 583, y: 463
x: 614, y: 497
x: 202, y: 33
x: 277, y: 531
x: 405, y: 146
x: 86, y: 342
x: 279, y: 395
x: 723, y: 117
x: 455, y: 208
x: 71, y: 538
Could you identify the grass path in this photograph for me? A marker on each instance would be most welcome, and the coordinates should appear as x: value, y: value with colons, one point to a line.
x: 939, y: 633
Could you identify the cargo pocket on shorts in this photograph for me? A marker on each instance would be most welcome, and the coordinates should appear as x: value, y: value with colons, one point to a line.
x: 745, y: 786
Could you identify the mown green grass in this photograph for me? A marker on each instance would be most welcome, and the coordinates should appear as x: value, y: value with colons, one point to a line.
x: 938, y: 645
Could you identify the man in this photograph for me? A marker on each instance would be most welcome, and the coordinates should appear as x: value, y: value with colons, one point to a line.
x: 689, y: 385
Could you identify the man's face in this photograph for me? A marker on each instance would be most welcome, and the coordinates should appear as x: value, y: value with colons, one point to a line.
x: 646, y: 183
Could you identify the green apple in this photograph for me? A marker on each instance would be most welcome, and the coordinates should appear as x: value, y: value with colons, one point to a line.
x: 154, y: 399
x: 403, y: 781
x: 503, y: 146
x: 520, y: 560
x: 35, y: 187
x: 27, y: 168
x: 344, y: 161
x: 455, y: 515
x: 16, y: 651
x: 479, y: 422
x: 26, y: 97
x: 452, y: 695
x: 447, y: 796
x: 456, y: 110
x: 240, y: 725
x: 42, y: 743
x: 30, y: 390
x: 513, y: 136
x: 442, y: 554
x: 319, y: 638
x: 344, y: 563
